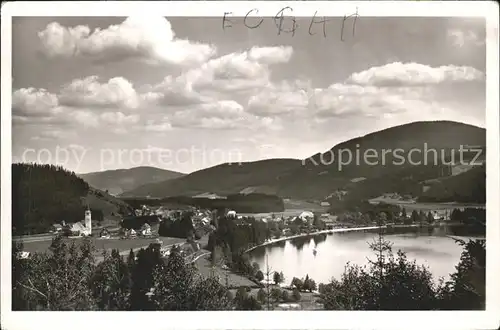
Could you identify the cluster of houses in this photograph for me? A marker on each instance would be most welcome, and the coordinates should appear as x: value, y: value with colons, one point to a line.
x: 80, y: 228
x: 143, y: 231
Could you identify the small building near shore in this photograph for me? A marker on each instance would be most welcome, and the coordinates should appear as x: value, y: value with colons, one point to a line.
x: 56, y: 228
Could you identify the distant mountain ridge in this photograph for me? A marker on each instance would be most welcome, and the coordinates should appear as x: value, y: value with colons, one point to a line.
x: 121, y: 180
x: 225, y: 179
x: 319, y: 176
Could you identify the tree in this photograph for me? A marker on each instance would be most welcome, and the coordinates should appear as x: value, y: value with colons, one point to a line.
x: 111, y: 283
x: 55, y: 281
x: 176, y: 286
x: 390, y: 283
x: 261, y: 296
x: 241, y: 296
x: 466, y: 288
x: 255, y: 268
x: 259, y: 276
x: 318, y: 223
x: 296, y: 294
x: 297, y: 283
x: 430, y: 218
x: 312, y: 285
x: 309, y: 284
x: 249, y: 303
x: 131, y: 260
x: 422, y: 217
x: 285, y: 296
x: 403, y: 214
x: 278, y: 278
x: 305, y: 285
x: 276, y: 294
x: 414, y: 217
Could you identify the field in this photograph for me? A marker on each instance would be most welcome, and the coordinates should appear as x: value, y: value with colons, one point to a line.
x: 234, y: 280
x: 103, y: 244
x: 426, y: 206
x: 293, y: 208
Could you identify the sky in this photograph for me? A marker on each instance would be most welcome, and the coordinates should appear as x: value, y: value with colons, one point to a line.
x: 98, y: 93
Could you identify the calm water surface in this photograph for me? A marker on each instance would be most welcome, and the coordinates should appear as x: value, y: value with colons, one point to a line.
x: 295, y: 258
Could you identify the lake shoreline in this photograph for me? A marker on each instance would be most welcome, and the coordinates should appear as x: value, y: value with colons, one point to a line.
x: 340, y: 230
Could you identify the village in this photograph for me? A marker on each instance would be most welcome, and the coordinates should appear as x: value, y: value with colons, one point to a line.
x: 146, y: 222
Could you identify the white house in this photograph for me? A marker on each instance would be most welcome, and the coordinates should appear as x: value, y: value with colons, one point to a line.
x: 146, y: 230
x: 306, y: 216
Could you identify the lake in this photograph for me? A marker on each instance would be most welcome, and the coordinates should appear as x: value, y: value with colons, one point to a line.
x: 295, y: 258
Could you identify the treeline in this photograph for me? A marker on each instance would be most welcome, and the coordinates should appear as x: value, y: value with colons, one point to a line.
x: 43, y: 195
x: 474, y: 220
x: 242, y: 203
x: 136, y: 222
x: 179, y: 225
x: 467, y: 187
x: 392, y: 282
x: 68, y: 278
x: 232, y: 238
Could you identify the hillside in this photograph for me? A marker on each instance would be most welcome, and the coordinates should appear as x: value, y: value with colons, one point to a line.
x: 43, y: 195
x: 467, y: 187
x: 122, y: 180
x: 222, y: 179
x: 387, y: 169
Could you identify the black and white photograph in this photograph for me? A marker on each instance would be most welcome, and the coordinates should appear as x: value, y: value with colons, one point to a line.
x: 289, y: 157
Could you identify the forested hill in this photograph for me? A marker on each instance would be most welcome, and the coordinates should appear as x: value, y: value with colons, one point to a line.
x: 122, y: 180
x: 43, y: 195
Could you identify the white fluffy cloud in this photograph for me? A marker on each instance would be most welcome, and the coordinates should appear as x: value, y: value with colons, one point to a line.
x: 173, y: 92
x: 271, y: 55
x: 280, y: 99
x: 237, y: 71
x: 79, y: 104
x: 89, y: 92
x: 379, y: 92
x: 401, y: 74
x: 460, y: 38
x: 146, y: 37
x: 223, y: 114
x: 34, y: 102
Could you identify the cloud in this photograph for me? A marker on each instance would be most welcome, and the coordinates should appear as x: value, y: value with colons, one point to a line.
x: 153, y: 126
x: 145, y: 37
x: 271, y: 55
x: 231, y: 76
x: 173, y: 92
x: 380, y: 92
x: 85, y: 118
x: 412, y: 74
x: 53, y: 134
x: 461, y: 38
x: 34, y: 102
x: 236, y: 72
x: 118, y: 92
x: 118, y: 118
x: 280, y: 99
x: 225, y: 114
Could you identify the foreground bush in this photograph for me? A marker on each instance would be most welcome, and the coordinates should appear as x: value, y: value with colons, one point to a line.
x: 396, y: 283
